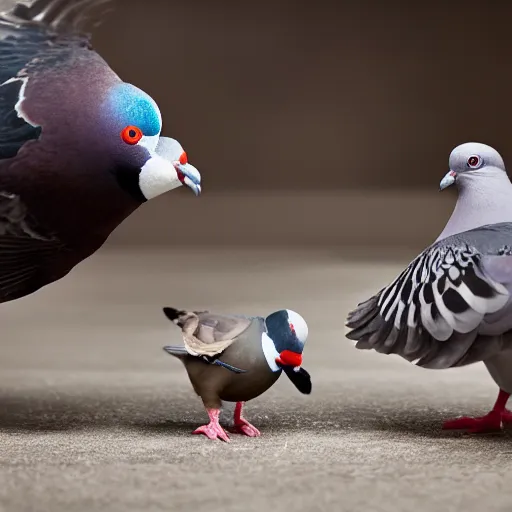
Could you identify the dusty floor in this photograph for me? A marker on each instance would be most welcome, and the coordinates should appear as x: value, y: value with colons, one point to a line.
x: 94, y: 416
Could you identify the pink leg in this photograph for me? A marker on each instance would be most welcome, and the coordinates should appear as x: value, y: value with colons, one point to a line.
x: 241, y: 425
x: 213, y: 430
x: 491, y: 422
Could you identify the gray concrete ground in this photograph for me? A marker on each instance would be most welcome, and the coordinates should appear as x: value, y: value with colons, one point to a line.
x: 94, y: 416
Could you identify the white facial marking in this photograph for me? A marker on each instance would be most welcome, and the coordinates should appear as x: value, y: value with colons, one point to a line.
x: 157, y: 177
x: 299, y: 324
x: 170, y: 149
x: 149, y: 142
x: 21, y: 98
x: 270, y: 352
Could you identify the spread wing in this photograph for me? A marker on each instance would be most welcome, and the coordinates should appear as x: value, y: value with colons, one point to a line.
x: 214, y: 333
x: 25, y: 251
x: 449, y: 307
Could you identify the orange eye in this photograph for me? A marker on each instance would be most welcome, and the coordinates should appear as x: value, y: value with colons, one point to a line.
x: 131, y: 135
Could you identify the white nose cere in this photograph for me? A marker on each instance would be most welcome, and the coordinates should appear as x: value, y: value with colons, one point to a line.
x: 169, y: 148
x: 299, y: 325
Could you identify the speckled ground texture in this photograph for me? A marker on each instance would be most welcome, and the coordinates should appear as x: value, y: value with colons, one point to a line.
x: 94, y: 416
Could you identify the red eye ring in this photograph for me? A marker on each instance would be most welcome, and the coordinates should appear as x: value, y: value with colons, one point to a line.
x: 474, y: 161
x: 131, y: 135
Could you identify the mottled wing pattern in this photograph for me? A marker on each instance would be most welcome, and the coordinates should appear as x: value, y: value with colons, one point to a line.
x: 432, y: 313
x: 24, y: 250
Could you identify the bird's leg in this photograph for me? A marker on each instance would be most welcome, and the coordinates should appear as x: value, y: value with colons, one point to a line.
x: 213, y: 430
x: 491, y: 422
x: 241, y: 425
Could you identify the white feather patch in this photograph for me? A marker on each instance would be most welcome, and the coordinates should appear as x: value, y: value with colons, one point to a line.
x: 270, y: 352
x: 21, y: 98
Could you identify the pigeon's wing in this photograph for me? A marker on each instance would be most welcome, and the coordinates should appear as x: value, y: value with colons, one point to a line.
x: 32, y: 34
x: 58, y: 16
x: 214, y: 327
x: 215, y: 333
x: 25, y: 250
x: 34, y: 29
x: 447, y: 308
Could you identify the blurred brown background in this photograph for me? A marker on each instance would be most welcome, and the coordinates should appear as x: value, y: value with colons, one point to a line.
x: 297, y: 95
x: 318, y: 124
x: 278, y: 97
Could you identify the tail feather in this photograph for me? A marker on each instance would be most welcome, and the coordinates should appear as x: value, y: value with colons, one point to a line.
x: 371, y: 332
x: 176, y: 315
x: 364, y: 313
x: 173, y: 313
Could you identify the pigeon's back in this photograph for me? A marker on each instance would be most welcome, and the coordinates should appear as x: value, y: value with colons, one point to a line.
x: 42, y: 35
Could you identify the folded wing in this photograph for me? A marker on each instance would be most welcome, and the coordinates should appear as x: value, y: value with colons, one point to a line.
x: 447, y: 308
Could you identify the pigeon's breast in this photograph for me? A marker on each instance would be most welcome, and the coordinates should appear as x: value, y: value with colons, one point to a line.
x: 247, y: 354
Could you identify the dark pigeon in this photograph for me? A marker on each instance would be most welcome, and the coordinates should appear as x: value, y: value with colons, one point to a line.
x: 80, y: 149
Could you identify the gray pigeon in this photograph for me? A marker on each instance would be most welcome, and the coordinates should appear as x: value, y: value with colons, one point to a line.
x: 452, y: 305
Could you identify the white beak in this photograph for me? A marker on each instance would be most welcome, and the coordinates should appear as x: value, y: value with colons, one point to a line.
x: 448, y: 180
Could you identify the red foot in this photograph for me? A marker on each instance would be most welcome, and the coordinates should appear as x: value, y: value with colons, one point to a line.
x: 488, y: 423
x: 241, y: 425
x: 492, y: 422
x: 245, y: 428
x: 213, y: 430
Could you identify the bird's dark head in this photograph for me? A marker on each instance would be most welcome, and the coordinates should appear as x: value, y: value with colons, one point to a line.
x: 470, y: 161
x: 289, y: 332
x: 145, y: 164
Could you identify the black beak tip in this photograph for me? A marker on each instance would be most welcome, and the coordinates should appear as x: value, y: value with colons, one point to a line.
x: 300, y: 379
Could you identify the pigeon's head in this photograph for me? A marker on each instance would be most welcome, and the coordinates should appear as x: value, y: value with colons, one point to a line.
x: 472, y: 160
x: 289, y: 332
x: 145, y: 164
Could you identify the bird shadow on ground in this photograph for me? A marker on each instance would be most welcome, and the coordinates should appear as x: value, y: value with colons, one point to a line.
x: 34, y: 413
x: 45, y: 413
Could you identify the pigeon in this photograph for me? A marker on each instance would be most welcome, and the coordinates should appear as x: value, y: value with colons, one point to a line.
x: 235, y: 358
x: 452, y: 305
x: 80, y: 150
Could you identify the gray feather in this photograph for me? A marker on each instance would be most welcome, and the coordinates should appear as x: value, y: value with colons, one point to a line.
x: 449, y: 307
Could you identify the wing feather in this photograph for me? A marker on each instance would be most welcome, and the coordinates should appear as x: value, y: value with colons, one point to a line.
x: 61, y: 16
x: 440, y: 309
x: 208, y: 334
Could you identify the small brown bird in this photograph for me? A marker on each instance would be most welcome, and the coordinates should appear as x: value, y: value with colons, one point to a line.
x: 254, y: 350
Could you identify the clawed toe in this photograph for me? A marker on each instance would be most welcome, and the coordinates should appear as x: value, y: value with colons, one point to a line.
x: 491, y: 422
x: 246, y: 429
x: 213, y: 431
